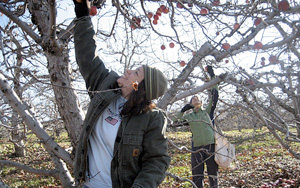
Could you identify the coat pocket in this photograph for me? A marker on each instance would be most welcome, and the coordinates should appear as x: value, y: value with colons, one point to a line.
x: 132, y: 139
x: 132, y: 149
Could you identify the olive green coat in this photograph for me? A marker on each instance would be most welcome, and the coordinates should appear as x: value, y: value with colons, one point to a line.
x: 140, y: 152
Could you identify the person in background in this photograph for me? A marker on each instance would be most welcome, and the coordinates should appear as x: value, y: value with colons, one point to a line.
x: 123, y: 142
x: 203, y: 139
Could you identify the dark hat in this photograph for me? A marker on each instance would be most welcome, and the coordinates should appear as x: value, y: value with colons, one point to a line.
x: 155, y: 82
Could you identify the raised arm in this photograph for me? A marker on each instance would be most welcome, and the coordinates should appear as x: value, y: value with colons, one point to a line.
x: 90, y: 65
x: 214, y: 95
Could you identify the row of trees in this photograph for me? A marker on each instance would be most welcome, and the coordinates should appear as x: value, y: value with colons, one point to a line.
x: 252, y: 45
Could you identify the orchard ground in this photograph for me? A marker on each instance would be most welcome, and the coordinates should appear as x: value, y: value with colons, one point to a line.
x: 261, y: 162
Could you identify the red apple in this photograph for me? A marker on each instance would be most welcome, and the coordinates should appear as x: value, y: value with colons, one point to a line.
x: 156, y: 17
x: 190, y: 4
x: 150, y: 14
x: 137, y: 22
x: 273, y: 59
x: 236, y: 26
x: 166, y: 10
x: 163, y: 47
x: 216, y: 2
x: 93, y: 10
x: 171, y: 45
x: 132, y: 26
x: 159, y: 10
x: 217, y: 33
x: 155, y: 22
x: 162, y: 7
x: 226, y: 61
x: 179, y: 5
x: 257, y: 21
x: 251, y: 82
x: 283, y: 5
x: 203, y: 11
x: 158, y: 13
x: 226, y: 46
x: 258, y: 45
x: 182, y: 63
x: 262, y: 63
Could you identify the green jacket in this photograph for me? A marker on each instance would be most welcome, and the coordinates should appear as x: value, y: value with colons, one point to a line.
x: 140, y: 153
x: 200, y: 122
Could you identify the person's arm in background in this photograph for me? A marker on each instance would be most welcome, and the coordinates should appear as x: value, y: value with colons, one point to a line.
x: 214, y: 95
x: 179, y: 119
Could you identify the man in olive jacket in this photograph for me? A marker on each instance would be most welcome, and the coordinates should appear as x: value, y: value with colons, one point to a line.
x: 139, y: 156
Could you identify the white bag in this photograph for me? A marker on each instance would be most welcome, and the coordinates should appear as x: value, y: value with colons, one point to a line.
x: 224, y: 151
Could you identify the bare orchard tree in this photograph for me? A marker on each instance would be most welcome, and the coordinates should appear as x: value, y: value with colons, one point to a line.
x: 34, y: 24
x: 252, y: 45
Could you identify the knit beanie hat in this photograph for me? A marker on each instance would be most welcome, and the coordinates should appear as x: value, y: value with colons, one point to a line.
x: 155, y: 82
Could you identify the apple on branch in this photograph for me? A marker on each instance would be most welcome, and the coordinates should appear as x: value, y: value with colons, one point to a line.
x: 158, y: 12
x: 149, y: 14
x: 216, y: 2
x: 251, y: 82
x: 226, y: 46
x: 179, y: 5
x: 236, y: 26
x: 182, y: 63
x: 93, y: 10
x: 164, y: 9
x: 273, y: 59
x: 137, y: 22
x: 203, y: 11
x: 257, y: 21
x: 258, y: 45
x: 283, y: 5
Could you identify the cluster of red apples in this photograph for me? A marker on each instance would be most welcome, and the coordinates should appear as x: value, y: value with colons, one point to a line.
x: 159, y: 11
x: 272, y: 59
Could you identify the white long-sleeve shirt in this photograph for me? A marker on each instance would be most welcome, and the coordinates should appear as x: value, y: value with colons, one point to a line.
x: 101, y: 146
